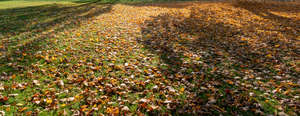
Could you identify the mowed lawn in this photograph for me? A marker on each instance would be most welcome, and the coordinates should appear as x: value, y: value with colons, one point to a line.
x: 152, y: 58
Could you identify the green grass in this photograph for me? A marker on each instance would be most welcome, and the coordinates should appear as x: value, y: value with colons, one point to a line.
x: 21, y: 27
x: 22, y: 3
x: 7, y: 4
x: 54, y: 40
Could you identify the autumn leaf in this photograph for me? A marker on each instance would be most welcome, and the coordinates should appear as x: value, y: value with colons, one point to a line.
x: 139, y: 59
x: 3, y: 98
x: 23, y: 109
x: 48, y: 101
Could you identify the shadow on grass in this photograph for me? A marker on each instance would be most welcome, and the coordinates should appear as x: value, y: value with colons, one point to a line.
x: 209, y: 52
x: 265, y: 10
x: 145, y: 3
x: 162, y: 3
x: 98, y: 1
x: 26, y: 31
x: 19, y: 20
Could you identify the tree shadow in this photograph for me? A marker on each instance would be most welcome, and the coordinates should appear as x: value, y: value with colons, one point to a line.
x: 99, y: 1
x: 265, y: 10
x: 149, y: 3
x: 210, y: 52
x: 29, y: 30
x: 20, y: 20
x: 291, y: 7
x: 163, y: 3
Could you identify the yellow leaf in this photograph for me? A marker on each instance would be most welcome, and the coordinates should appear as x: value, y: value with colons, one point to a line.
x: 53, y: 58
x: 109, y: 110
x: 148, y: 36
x: 49, y: 101
x: 269, y: 55
x: 19, y: 104
x: 63, y: 105
x: 78, y: 97
x: 113, y: 81
x: 95, y: 106
x: 47, y: 58
x: 267, y: 101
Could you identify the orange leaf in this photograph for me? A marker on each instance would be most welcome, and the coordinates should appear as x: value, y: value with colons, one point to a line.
x: 3, y: 99
x: 23, y: 109
x: 182, y: 89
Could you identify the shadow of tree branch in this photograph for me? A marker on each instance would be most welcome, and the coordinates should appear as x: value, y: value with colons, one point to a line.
x: 40, y: 27
x: 204, y: 49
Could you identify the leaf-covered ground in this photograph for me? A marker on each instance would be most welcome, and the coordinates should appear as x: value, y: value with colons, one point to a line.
x: 204, y: 58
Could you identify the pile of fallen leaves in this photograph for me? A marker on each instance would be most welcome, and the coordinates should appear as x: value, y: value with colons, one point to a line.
x: 169, y: 58
x: 240, y: 55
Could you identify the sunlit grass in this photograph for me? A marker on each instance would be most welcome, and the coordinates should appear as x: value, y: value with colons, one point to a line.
x: 20, y: 4
x: 97, y: 51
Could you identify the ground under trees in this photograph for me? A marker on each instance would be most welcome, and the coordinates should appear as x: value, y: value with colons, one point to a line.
x: 205, y: 58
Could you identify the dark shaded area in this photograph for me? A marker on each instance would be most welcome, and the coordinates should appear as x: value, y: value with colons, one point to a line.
x: 264, y: 10
x: 289, y: 27
x: 28, y: 30
x: 163, y: 42
x: 223, y: 55
x: 20, y: 20
x: 98, y: 1
x: 163, y: 3
x: 145, y: 3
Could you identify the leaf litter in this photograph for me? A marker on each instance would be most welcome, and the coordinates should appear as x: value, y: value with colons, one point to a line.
x: 160, y: 58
